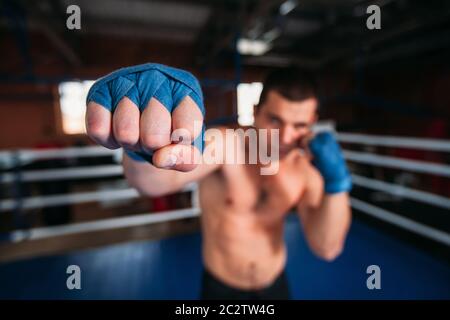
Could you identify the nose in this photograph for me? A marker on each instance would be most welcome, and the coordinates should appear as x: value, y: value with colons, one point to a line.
x: 287, y: 135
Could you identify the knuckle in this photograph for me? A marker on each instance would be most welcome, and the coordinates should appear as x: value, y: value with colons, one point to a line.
x: 127, y: 136
x: 154, y: 141
x: 97, y: 131
x: 126, y: 141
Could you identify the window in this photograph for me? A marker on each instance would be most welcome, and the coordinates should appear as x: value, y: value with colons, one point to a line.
x: 73, y: 105
x: 247, y: 96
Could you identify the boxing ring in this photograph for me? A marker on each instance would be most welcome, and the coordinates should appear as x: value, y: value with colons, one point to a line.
x: 170, y: 268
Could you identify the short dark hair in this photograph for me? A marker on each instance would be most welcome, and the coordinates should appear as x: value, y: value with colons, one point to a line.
x: 293, y: 83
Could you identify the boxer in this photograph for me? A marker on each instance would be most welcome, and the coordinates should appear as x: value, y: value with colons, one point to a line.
x: 243, y: 212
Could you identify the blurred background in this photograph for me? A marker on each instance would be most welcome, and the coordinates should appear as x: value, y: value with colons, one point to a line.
x: 385, y: 91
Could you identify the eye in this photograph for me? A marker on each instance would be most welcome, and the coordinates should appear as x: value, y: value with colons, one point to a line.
x: 274, y: 120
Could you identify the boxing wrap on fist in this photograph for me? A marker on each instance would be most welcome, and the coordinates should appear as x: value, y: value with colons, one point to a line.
x: 329, y: 160
x: 141, y: 83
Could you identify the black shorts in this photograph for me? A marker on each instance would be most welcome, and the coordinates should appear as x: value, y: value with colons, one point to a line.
x: 214, y: 289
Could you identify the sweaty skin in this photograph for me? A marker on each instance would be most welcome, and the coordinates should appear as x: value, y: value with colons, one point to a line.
x: 243, y: 211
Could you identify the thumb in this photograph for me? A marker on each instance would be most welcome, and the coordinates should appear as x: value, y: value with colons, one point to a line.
x: 178, y: 157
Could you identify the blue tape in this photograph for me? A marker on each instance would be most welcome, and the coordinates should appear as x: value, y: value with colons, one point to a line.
x: 141, y: 83
x: 330, y: 162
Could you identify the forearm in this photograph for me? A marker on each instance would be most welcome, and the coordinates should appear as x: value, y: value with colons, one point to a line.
x: 326, y: 225
x: 152, y: 181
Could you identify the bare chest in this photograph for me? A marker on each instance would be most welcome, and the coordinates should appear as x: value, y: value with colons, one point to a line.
x: 241, y: 188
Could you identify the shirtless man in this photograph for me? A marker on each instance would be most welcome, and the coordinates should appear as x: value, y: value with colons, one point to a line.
x: 243, y: 212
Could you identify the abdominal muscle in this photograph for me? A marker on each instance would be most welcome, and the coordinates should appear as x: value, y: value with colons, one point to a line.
x: 239, y: 247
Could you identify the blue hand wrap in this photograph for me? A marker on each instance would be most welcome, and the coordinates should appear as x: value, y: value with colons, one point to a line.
x: 329, y: 160
x: 142, y: 82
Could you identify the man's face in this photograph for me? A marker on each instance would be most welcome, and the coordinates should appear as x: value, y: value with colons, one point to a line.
x: 293, y: 119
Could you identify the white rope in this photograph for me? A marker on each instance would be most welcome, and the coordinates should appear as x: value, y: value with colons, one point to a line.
x: 65, y: 173
x: 116, y: 170
x: 399, y: 163
x: 57, y: 153
x: 104, y: 224
x: 95, y: 151
x: 144, y: 219
x: 83, y: 197
x: 393, y: 141
x: 402, y: 222
x: 397, y: 190
x: 63, y: 199
x: 324, y: 126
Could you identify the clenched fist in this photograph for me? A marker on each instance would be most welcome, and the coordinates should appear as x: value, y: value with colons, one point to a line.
x: 153, y: 111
